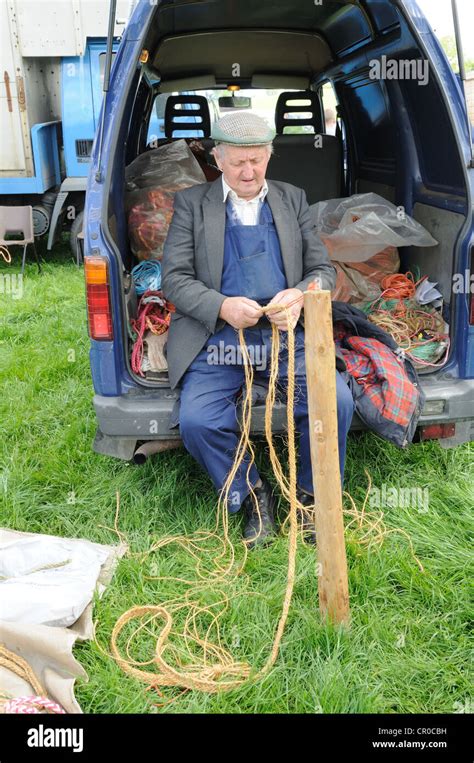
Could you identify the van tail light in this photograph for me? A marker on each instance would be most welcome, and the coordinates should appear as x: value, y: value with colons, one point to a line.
x: 99, y: 312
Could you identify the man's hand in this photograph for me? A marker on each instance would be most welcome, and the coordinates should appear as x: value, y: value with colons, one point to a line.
x: 240, y: 312
x: 285, y: 297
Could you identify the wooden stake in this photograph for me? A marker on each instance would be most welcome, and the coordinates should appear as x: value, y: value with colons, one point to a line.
x: 322, y: 411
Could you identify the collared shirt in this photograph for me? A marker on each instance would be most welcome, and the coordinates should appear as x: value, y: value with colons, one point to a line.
x: 246, y: 211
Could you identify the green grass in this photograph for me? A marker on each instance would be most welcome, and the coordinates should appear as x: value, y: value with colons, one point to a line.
x: 407, y: 649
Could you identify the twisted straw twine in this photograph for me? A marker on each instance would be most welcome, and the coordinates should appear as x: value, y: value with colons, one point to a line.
x: 215, y: 669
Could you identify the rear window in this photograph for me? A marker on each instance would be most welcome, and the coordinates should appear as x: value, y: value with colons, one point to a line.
x: 438, y: 156
x: 368, y: 118
x: 262, y: 102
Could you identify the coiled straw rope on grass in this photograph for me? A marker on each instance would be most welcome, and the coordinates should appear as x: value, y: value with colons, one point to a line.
x: 371, y: 524
x: 223, y: 673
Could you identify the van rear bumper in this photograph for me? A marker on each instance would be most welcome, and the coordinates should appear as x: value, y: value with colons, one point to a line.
x: 147, y: 414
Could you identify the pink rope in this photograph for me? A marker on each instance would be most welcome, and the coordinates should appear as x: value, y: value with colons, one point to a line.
x: 152, y: 315
x: 32, y: 705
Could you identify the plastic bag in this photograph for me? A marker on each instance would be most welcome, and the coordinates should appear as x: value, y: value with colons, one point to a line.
x: 151, y: 182
x: 163, y: 167
x: 357, y: 228
x: 352, y: 286
x: 361, y: 280
x: 344, y: 290
x: 382, y: 264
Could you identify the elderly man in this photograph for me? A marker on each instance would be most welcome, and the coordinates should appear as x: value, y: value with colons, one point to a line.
x: 234, y: 245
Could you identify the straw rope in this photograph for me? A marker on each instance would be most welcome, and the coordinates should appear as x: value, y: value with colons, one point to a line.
x: 4, y: 252
x: 418, y: 331
x: 215, y: 669
x: 21, y: 667
x: 371, y: 524
x: 175, y: 662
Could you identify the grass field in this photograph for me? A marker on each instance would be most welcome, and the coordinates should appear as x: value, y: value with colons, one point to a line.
x: 408, y: 646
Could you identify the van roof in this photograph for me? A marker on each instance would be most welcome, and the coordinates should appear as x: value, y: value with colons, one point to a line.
x: 296, y: 37
x: 178, y: 16
x: 217, y: 52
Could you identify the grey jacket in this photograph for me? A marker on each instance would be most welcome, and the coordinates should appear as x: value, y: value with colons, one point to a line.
x: 194, y: 254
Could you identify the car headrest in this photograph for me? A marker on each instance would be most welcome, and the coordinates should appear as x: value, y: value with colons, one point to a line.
x: 184, y: 117
x: 285, y: 112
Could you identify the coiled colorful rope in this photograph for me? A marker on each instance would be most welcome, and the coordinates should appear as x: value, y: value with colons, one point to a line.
x: 147, y: 276
x: 419, y: 332
x: 154, y: 314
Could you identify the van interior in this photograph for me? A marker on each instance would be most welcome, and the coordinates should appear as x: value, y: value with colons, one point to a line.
x: 305, y: 67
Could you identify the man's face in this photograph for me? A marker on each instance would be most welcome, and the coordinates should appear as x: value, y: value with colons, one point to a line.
x: 244, y: 168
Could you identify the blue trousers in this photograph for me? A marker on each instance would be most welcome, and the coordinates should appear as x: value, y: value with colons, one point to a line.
x: 208, y: 423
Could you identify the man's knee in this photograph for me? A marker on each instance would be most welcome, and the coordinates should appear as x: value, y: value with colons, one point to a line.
x: 198, y: 421
x: 192, y: 419
x: 345, y: 401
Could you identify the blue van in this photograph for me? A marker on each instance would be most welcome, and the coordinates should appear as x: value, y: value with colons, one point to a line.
x: 403, y: 132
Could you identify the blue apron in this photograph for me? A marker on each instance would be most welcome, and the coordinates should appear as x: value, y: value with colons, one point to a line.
x: 253, y: 268
x: 253, y: 265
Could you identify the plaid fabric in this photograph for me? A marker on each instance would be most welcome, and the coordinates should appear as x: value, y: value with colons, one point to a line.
x: 384, y: 380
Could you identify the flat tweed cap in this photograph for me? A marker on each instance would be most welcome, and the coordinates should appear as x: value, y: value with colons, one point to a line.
x: 244, y: 129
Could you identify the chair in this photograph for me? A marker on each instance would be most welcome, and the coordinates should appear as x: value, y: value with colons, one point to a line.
x: 296, y: 158
x: 15, y: 221
x: 182, y: 117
